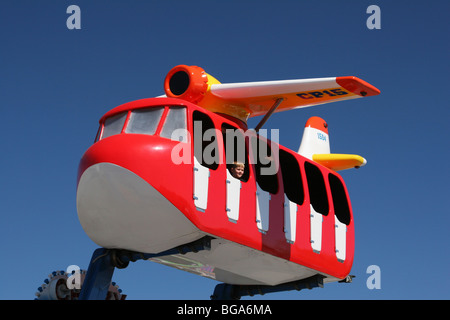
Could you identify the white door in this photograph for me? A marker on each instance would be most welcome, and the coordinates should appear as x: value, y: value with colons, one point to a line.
x: 340, y: 232
x: 290, y: 219
x: 201, y: 183
x: 316, y: 229
x: 262, y: 209
x: 233, y: 197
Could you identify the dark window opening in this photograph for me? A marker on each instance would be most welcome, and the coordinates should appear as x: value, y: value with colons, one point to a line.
x: 317, y: 190
x: 205, y: 141
x: 340, y: 203
x: 265, y: 165
x: 235, y: 148
x: 292, y: 178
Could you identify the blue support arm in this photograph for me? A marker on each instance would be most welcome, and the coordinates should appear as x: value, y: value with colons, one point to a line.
x: 98, y: 277
x: 104, y: 261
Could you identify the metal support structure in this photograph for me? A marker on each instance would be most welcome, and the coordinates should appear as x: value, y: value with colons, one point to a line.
x: 226, y: 291
x: 98, y: 277
x: 104, y: 261
x: 269, y: 113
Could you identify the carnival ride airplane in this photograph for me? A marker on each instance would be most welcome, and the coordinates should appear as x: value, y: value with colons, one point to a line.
x: 156, y: 185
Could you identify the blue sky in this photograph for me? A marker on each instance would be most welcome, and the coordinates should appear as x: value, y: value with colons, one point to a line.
x: 56, y: 83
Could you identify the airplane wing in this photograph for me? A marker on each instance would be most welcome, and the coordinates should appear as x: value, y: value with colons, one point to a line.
x: 250, y: 99
x: 258, y: 97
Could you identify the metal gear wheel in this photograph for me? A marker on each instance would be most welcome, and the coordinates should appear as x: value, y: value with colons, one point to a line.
x: 61, y: 285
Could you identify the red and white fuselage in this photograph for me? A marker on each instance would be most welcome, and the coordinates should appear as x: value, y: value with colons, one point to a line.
x: 142, y: 187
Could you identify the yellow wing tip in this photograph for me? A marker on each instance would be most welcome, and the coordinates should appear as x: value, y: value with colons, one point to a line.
x: 337, y: 162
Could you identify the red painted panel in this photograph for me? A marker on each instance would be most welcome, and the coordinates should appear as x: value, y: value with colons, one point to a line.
x: 150, y: 158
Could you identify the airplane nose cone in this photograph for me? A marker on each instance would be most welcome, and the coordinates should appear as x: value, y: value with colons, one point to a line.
x: 119, y: 209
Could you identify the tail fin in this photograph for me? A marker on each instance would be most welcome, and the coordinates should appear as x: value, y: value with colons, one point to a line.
x: 315, y: 138
x: 315, y: 146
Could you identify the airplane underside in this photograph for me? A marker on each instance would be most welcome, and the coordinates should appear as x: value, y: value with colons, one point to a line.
x: 112, y: 200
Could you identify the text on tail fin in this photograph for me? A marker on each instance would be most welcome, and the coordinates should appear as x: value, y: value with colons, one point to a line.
x: 315, y: 138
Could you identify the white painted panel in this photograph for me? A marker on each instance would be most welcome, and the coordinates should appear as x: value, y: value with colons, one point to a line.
x: 267, y: 88
x: 316, y: 229
x: 340, y: 238
x: 233, y: 263
x: 290, y: 219
x: 233, y: 196
x: 262, y: 209
x: 201, y: 182
x: 119, y: 209
x: 314, y: 141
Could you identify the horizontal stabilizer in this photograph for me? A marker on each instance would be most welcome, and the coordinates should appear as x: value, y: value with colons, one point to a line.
x: 336, y: 162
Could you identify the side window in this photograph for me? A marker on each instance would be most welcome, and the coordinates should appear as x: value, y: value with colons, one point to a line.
x: 292, y: 178
x: 235, y: 149
x: 175, y: 125
x: 99, y: 131
x: 340, y: 203
x: 205, y: 141
x: 265, y: 166
x: 114, y: 125
x: 144, y: 121
x: 317, y: 189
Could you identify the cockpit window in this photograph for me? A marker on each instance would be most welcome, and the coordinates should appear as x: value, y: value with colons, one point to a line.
x: 114, y: 125
x: 147, y: 121
x: 144, y: 121
x: 175, y: 125
x: 99, y: 131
